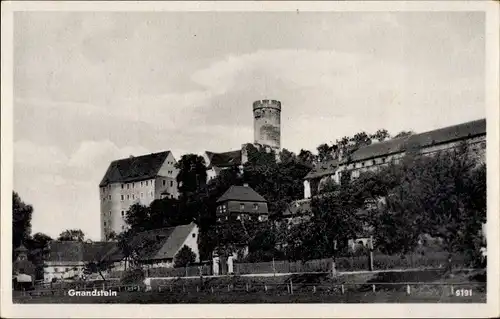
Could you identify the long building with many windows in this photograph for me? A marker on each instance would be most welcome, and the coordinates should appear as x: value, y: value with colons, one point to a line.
x: 132, y: 180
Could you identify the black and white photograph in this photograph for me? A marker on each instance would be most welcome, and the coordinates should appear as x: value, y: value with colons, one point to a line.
x: 249, y: 154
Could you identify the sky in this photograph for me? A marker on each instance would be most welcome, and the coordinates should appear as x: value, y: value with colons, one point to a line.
x: 90, y: 88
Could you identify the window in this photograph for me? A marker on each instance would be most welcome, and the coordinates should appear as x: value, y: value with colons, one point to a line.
x: 56, y: 269
x: 194, y: 235
x: 142, y: 195
x: 483, y: 145
x: 109, y: 213
x: 133, y: 196
x: 164, y: 182
x: 123, y: 186
x: 128, y: 186
x: 128, y: 196
x: 256, y: 206
x: 171, y: 183
x: 133, y: 185
x: 123, y: 197
x: 242, y: 206
x: 141, y: 184
x: 105, y: 224
x: 146, y: 183
x: 151, y: 194
x: 109, y: 197
x: 123, y: 213
x: 238, y: 217
x: 383, y: 160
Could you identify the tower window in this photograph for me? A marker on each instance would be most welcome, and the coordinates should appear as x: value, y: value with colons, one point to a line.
x: 109, y: 197
x: 171, y: 183
x: 123, y: 197
x: 146, y: 183
x: 123, y: 213
x: 128, y: 186
x: 123, y: 186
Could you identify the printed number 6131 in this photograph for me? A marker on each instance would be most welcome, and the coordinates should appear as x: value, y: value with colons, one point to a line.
x: 463, y: 292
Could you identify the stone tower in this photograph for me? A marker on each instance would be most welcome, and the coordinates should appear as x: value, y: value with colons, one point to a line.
x: 267, y: 123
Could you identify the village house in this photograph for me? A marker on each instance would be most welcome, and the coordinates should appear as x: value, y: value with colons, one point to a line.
x: 66, y: 260
x: 238, y: 205
x: 156, y: 248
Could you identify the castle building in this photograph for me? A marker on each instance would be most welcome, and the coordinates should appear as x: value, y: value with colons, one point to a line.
x: 376, y: 155
x: 267, y: 135
x: 132, y: 180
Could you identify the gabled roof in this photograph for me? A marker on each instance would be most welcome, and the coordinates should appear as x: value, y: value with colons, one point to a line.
x: 162, y: 243
x: 298, y: 207
x: 134, y: 168
x: 322, y: 169
x: 225, y: 159
x: 398, y: 145
x: 443, y: 135
x: 241, y: 193
x: 395, y: 145
x: 77, y: 251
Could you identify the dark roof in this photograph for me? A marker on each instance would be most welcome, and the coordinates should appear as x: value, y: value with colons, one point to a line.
x: 65, y: 251
x: 225, y: 159
x: 298, y: 207
x: 395, y: 145
x: 322, y: 169
x: 241, y: 193
x: 443, y: 135
x: 134, y: 168
x: 75, y: 251
x: 398, y: 145
x: 162, y: 243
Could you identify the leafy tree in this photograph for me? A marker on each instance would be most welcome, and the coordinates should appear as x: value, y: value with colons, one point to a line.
x: 138, y: 217
x: 404, y: 134
x: 381, y: 135
x: 184, y: 257
x: 21, y: 221
x: 38, y: 248
x: 192, y: 174
x: 306, y: 158
x: 72, y: 235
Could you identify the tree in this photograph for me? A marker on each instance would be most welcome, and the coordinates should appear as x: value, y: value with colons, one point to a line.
x: 404, y: 134
x: 381, y: 135
x: 21, y: 221
x: 184, y: 257
x: 38, y: 248
x: 192, y: 174
x: 306, y: 158
x: 72, y: 235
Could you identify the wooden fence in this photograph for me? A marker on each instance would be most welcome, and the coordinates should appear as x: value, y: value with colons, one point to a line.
x: 353, y: 263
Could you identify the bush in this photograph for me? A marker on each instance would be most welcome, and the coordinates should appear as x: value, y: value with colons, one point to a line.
x: 184, y: 257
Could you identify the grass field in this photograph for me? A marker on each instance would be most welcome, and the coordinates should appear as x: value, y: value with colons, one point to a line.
x: 430, y: 286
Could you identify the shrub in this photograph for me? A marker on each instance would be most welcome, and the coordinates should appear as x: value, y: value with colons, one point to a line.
x: 184, y: 257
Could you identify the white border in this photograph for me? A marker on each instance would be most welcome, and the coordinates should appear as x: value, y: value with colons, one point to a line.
x: 491, y: 309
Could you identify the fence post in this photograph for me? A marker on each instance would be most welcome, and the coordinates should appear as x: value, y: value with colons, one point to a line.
x: 197, y: 289
x: 314, y: 289
x: 451, y: 290
x: 408, y: 289
x: 212, y: 288
x: 291, y: 287
x: 265, y: 287
x: 373, y: 287
x: 274, y: 268
x: 228, y: 288
x: 342, y: 288
x: 247, y: 287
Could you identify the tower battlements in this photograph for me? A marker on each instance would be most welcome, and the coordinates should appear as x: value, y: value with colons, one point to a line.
x: 271, y: 104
